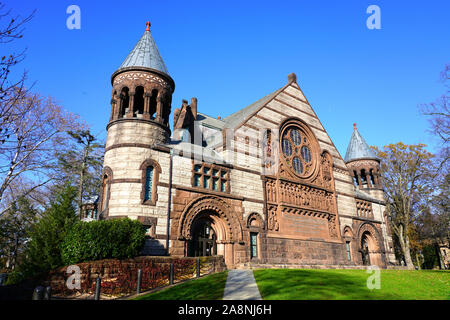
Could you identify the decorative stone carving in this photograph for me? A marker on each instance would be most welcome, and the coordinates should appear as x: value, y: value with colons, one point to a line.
x: 364, y: 209
x: 213, y: 206
x: 300, y: 195
x: 147, y: 77
x: 272, y: 223
x: 332, y: 226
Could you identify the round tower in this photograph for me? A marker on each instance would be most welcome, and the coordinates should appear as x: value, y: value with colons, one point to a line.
x: 139, y: 123
x: 362, y: 162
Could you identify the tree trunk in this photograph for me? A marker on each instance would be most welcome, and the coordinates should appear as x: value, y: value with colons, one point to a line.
x: 80, y: 187
x: 419, y: 264
x: 439, y: 256
x: 404, y: 245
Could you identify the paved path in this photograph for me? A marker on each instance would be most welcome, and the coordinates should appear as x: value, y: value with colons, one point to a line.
x: 241, y: 285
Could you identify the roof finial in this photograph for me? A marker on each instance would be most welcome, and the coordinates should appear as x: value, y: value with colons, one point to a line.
x: 354, y: 126
x: 148, y: 26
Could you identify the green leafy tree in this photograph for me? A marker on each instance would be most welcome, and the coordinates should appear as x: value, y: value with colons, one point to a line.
x: 81, y: 162
x: 105, y: 239
x: 43, y: 252
x: 407, y: 172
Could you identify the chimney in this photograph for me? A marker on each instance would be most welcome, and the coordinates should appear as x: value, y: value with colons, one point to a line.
x: 194, y: 107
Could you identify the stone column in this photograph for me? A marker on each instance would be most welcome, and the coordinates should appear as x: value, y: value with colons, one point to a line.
x: 358, y: 179
x: 113, y: 109
x: 376, y: 177
x: 369, y: 183
x: 159, y: 108
x: 130, y: 106
x: 146, y: 114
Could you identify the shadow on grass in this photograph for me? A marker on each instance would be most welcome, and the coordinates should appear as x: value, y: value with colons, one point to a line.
x: 208, y: 288
x: 316, y: 285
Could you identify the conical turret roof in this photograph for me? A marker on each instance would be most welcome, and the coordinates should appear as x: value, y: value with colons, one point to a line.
x: 145, y: 54
x: 358, y: 148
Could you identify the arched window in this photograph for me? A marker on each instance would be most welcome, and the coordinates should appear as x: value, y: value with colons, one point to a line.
x: 106, y: 188
x: 372, y: 178
x: 148, y: 183
x: 355, y: 178
x: 138, y: 101
x: 363, y: 178
x: 125, y: 102
x: 150, y: 177
x: 299, y: 149
x: 153, y: 103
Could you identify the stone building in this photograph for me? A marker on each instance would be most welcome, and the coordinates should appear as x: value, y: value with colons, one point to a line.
x: 263, y: 186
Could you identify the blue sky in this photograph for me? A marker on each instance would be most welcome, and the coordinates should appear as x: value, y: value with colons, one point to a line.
x: 229, y: 54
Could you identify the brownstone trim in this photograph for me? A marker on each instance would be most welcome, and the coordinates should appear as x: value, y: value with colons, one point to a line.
x: 255, y: 216
x: 264, y: 105
x: 145, y: 69
x: 327, y: 143
x: 126, y: 180
x: 360, y: 218
x: 221, y: 208
x: 341, y: 168
x: 141, y: 120
x: 293, y: 107
x: 155, y: 181
x: 265, y: 119
x: 139, y: 145
x: 343, y: 181
x: 208, y: 192
x: 279, y: 112
x: 297, y: 98
x: 356, y: 197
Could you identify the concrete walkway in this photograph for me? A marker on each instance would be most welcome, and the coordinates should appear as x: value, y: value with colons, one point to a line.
x: 241, y: 285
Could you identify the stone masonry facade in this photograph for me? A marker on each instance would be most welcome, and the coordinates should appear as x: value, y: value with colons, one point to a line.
x: 263, y: 186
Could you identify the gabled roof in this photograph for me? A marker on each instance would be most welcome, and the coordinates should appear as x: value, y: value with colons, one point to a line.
x: 145, y: 54
x: 358, y: 148
x: 240, y: 116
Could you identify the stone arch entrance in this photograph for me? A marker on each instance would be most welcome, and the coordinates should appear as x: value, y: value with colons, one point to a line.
x: 205, y: 232
x: 370, y: 246
x: 209, y: 225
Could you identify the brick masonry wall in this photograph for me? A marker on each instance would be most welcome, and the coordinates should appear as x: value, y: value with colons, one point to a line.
x: 119, y: 276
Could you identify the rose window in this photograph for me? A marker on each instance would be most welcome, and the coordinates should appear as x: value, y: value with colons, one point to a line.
x: 296, y: 148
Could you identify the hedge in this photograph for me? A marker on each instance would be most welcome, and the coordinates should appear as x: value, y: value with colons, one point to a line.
x: 106, y: 239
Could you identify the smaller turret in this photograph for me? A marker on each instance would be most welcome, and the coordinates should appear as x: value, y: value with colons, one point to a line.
x: 362, y: 162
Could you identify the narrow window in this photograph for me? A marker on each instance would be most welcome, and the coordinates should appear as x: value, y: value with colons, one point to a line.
x: 153, y: 103
x: 347, y: 246
x: 125, y: 102
x: 253, y: 245
x: 105, y: 195
x: 148, y: 183
x: 372, y: 179
x: 138, y: 101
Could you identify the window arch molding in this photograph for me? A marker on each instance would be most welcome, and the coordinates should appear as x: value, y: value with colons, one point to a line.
x: 153, y: 197
x: 299, y: 149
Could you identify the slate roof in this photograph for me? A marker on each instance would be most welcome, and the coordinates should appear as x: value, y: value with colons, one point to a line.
x: 238, y: 117
x: 358, y: 148
x: 145, y: 54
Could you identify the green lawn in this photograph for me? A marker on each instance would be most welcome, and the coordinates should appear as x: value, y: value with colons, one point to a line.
x: 294, y: 284
x: 208, y: 288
